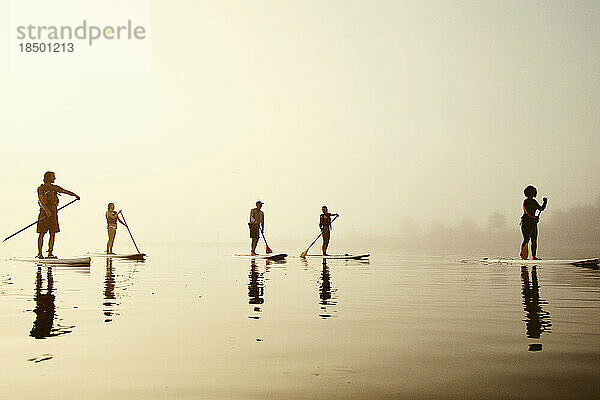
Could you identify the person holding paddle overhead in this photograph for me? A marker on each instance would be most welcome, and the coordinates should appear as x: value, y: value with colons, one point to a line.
x: 112, y: 217
x: 529, y: 222
x: 48, y: 217
x: 256, y: 225
x: 325, y: 226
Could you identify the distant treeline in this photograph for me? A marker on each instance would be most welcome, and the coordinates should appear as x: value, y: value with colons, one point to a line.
x: 562, y: 233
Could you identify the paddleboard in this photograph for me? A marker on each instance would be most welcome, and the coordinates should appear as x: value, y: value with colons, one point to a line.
x: 340, y: 256
x: 55, y: 261
x: 274, y: 256
x: 517, y: 261
x: 132, y: 256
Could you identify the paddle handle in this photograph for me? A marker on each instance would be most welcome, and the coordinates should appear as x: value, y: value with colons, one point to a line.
x: 33, y: 223
x: 305, y: 252
x: 130, y: 234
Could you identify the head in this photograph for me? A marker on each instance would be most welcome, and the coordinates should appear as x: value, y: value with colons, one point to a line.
x: 111, y: 206
x: 530, y: 191
x: 324, y: 209
x: 259, y: 204
x: 49, y: 177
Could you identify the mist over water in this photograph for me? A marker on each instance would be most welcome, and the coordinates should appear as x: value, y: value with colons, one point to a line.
x: 434, y: 112
x: 570, y: 233
x: 420, y: 123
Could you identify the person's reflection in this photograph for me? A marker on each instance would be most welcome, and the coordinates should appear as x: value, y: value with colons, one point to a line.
x: 256, y: 289
x: 325, y: 291
x: 109, y: 292
x: 537, y: 321
x: 43, y: 326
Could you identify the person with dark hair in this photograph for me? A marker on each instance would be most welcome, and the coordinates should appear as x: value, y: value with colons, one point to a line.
x: 256, y: 225
x: 529, y: 222
x: 325, y: 226
x: 48, y: 217
x: 112, y: 217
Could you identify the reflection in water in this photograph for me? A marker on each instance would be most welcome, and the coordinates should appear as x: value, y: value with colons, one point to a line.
x: 256, y: 288
x: 116, y: 285
x: 304, y: 261
x: 5, y: 282
x: 326, y: 292
x: 41, y: 358
x: 110, y: 303
x: 537, y: 321
x: 45, y: 309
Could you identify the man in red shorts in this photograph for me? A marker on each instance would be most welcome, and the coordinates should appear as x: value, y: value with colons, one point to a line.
x: 48, y: 217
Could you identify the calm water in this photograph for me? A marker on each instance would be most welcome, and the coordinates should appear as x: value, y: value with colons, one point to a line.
x: 198, y: 323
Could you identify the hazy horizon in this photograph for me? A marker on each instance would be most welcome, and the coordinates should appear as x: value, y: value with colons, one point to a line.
x: 433, y: 112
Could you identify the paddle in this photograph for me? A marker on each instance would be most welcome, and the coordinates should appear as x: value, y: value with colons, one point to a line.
x: 269, y: 251
x: 129, y: 230
x: 305, y: 252
x: 33, y: 223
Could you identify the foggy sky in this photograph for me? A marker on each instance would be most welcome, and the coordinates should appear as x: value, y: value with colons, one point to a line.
x: 385, y: 111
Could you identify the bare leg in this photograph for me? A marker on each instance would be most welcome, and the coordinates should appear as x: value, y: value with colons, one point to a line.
x: 254, y: 244
x: 526, y: 231
x: 534, y: 234
x: 325, y: 241
x: 111, y: 240
x: 51, y: 242
x: 40, y: 243
x: 524, y: 250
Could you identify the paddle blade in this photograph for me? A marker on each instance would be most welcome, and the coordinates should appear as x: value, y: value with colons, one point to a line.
x: 266, y: 244
x: 304, y: 253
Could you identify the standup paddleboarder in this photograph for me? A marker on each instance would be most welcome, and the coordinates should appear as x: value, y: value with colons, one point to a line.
x: 325, y: 226
x: 112, y: 217
x: 256, y: 225
x: 529, y: 222
x: 48, y: 217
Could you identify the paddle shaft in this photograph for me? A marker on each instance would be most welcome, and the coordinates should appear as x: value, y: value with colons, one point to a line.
x: 130, y: 234
x: 268, y: 250
x: 315, y: 241
x: 33, y: 223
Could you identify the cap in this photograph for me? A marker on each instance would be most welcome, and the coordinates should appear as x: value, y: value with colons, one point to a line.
x: 259, y: 202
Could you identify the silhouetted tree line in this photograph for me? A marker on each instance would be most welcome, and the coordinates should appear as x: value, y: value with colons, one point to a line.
x: 562, y: 233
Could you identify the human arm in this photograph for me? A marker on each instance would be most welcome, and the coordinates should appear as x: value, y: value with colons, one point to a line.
x: 65, y: 191
x: 537, y: 207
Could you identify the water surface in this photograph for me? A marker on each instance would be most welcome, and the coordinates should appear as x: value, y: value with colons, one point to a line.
x: 198, y: 323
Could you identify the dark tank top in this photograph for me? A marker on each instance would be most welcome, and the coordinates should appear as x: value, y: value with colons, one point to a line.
x: 530, y: 206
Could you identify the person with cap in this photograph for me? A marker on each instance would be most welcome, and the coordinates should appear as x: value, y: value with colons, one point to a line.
x: 325, y: 226
x: 256, y: 225
x: 48, y: 217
